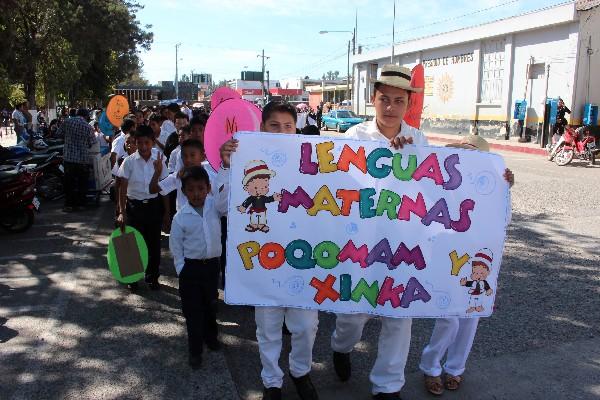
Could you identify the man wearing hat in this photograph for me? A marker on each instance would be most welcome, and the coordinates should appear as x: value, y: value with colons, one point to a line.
x: 390, y: 97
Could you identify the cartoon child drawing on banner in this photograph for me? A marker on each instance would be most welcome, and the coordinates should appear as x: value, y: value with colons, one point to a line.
x: 256, y: 182
x: 482, y: 263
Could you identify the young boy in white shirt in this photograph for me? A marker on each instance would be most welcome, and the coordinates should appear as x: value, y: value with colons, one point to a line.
x: 143, y: 209
x: 195, y: 243
x: 454, y: 335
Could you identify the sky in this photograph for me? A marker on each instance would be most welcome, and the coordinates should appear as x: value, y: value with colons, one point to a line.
x: 225, y: 37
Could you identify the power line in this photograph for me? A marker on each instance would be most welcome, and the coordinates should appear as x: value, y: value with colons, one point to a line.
x: 445, y: 20
x: 316, y: 64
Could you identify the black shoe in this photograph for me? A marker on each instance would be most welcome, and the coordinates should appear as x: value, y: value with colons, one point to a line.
x: 305, y: 388
x: 153, y: 283
x: 195, y: 361
x: 214, y: 345
x: 387, y: 396
x: 272, y: 393
x: 133, y: 287
x: 342, y: 366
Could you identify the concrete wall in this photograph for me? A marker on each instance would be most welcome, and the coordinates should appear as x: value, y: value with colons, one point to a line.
x: 589, y: 29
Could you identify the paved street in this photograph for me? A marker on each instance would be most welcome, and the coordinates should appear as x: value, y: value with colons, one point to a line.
x: 68, y: 330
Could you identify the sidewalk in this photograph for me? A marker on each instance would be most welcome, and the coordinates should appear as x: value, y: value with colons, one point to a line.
x: 495, y: 144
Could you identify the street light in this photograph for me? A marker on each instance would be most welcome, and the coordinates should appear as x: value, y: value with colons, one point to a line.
x: 353, y: 52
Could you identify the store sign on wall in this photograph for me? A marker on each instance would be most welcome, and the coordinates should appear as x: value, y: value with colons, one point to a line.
x: 450, y: 60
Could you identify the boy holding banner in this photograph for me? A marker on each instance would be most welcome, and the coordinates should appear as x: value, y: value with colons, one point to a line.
x: 455, y: 335
x: 280, y: 117
x: 390, y: 98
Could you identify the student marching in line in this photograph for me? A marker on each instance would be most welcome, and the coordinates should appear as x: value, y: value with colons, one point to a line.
x: 455, y: 335
x: 117, y: 151
x: 196, y: 126
x: 168, y: 126
x: 280, y: 117
x: 193, y: 156
x: 141, y: 209
x: 195, y: 243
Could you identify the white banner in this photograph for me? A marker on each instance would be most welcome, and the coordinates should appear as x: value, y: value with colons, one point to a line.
x: 357, y: 227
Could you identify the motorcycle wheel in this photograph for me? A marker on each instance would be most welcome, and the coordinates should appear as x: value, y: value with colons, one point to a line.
x: 563, y: 157
x: 552, y: 152
x: 51, y: 185
x: 20, y: 222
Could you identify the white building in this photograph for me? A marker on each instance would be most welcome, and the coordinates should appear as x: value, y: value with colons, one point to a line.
x: 473, y: 76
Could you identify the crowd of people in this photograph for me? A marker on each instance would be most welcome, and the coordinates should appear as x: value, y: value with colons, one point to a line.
x: 163, y: 183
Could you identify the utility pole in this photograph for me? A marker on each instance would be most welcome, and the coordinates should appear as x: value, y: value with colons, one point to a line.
x: 268, y: 89
x: 176, y: 71
x: 348, y: 75
x: 263, y: 73
x: 393, y: 33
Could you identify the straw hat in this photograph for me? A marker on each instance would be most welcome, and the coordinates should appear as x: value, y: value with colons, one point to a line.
x: 472, y: 142
x: 256, y: 168
x: 397, y: 76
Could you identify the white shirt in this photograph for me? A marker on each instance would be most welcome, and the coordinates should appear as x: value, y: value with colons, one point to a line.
x: 101, y: 139
x: 368, y: 131
x: 138, y: 173
x: 173, y: 182
x: 118, y: 146
x: 196, y: 236
x: 188, y: 112
x: 175, y: 159
x: 166, y: 129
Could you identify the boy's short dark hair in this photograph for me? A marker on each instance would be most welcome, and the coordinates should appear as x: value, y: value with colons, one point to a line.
x: 195, y: 173
x: 186, y: 129
x: 156, y: 118
x: 127, y: 125
x: 278, y: 106
x: 181, y: 115
x: 144, y: 131
x: 192, y: 143
x: 377, y: 86
x: 173, y: 107
x: 198, y: 121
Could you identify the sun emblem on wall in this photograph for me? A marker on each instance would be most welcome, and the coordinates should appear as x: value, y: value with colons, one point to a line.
x: 445, y: 88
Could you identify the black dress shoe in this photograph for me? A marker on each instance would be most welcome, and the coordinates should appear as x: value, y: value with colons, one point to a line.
x: 342, y: 365
x: 195, y: 361
x: 305, y: 388
x: 272, y: 393
x: 214, y: 345
x: 133, y: 287
x: 387, y: 396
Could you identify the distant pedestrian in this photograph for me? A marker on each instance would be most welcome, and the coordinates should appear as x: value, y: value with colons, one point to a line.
x: 19, y: 122
x: 79, y: 138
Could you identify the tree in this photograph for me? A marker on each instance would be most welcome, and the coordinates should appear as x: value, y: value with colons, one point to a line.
x: 75, y: 48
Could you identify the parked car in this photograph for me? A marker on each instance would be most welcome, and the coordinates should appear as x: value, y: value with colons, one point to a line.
x: 340, y: 120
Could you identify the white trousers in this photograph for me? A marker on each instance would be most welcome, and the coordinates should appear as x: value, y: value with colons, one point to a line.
x: 387, y: 375
x: 454, y: 335
x: 303, y: 326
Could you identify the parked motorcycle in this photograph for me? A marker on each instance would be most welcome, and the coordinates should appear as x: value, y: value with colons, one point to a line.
x: 50, y: 183
x: 580, y: 143
x: 17, y: 198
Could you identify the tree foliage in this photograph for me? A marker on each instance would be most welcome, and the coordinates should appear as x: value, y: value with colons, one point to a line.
x: 76, y: 49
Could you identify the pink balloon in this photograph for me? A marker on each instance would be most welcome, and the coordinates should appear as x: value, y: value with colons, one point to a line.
x: 230, y: 117
x: 222, y: 94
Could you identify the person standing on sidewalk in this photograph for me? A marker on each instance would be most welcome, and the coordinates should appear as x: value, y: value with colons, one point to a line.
x: 79, y: 138
x: 390, y: 97
x: 19, y: 122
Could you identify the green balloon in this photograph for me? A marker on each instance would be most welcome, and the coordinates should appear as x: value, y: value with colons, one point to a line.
x: 113, y: 263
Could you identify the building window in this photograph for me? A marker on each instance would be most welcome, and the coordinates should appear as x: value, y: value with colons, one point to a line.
x: 492, y: 71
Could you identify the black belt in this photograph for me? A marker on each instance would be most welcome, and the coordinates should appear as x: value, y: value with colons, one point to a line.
x: 204, y: 261
x: 146, y: 201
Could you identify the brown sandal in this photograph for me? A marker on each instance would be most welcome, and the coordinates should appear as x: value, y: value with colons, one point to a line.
x: 453, y: 382
x: 434, y: 385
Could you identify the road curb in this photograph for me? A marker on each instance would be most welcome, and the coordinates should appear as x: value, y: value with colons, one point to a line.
x: 495, y: 146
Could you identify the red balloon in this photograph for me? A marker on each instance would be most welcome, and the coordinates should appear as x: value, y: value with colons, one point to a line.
x: 415, y: 105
